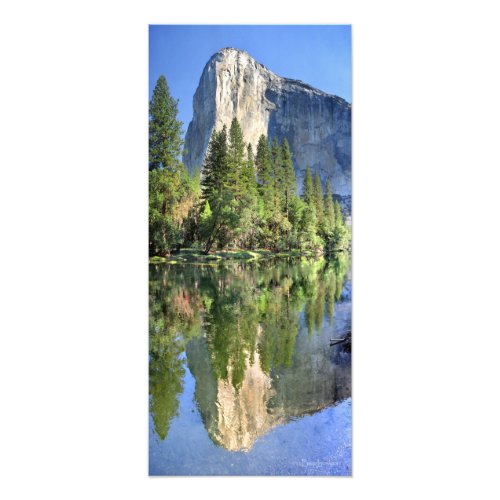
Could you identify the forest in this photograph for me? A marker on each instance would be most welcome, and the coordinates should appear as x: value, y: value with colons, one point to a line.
x: 244, y: 199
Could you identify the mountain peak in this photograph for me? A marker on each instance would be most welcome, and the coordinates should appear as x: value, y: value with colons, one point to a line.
x: 229, y: 53
x: 317, y: 125
x: 231, y: 49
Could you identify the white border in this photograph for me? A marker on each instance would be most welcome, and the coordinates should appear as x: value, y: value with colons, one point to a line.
x: 73, y: 190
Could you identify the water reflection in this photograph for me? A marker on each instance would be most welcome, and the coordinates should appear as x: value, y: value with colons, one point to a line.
x: 255, y: 336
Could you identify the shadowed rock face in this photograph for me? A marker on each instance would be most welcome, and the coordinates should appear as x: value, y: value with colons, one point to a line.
x: 317, y: 125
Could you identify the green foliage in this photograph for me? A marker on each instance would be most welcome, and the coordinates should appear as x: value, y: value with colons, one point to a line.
x: 165, y: 381
x: 308, y: 239
x: 248, y: 180
x: 254, y: 201
x: 165, y: 131
x: 241, y: 201
x: 339, y: 236
x: 206, y: 221
x: 196, y: 182
x: 219, y: 189
x: 318, y: 203
x: 288, y: 176
x: 240, y: 310
x: 235, y: 156
x: 172, y: 192
x: 169, y: 308
x: 308, y: 188
x: 215, y: 167
x: 329, y: 218
x: 264, y: 166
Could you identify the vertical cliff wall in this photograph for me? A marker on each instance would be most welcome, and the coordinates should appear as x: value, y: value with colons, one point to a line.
x: 317, y: 125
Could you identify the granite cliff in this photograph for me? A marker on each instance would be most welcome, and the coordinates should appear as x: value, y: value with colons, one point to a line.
x: 317, y: 125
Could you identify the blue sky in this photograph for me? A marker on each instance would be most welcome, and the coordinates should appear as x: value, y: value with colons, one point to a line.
x: 318, y: 55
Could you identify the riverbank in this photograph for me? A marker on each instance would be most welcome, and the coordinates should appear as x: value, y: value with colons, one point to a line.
x: 192, y: 255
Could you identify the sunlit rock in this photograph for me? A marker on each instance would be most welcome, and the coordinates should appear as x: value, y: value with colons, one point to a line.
x: 317, y: 125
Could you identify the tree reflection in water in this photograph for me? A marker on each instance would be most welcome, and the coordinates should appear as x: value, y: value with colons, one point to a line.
x: 238, y: 324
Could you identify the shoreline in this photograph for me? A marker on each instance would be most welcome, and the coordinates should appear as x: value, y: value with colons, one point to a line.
x: 187, y: 255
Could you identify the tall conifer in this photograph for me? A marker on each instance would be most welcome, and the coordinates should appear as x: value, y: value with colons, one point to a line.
x: 318, y: 201
x: 277, y: 174
x: 165, y: 131
x: 289, y: 181
x: 329, y: 210
x: 215, y: 166
x: 308, y: 191
x: 235, y: 156
x: 263, y: 163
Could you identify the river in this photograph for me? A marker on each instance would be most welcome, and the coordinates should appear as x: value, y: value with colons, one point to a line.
x: 242, y: 377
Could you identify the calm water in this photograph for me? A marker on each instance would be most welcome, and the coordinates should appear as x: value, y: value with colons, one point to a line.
x: 243, y: 379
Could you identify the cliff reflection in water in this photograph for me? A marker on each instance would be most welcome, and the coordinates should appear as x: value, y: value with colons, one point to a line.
x: 256, y: 339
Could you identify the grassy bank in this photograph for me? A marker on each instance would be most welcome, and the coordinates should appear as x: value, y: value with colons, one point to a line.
x: 192, y: 255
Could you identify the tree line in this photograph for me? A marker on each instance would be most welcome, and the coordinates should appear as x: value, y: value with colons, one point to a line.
x: 243, y: 200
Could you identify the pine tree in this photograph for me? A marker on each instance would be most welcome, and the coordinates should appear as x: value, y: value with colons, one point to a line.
x: 308, y: 223
x: 248, y: 181
x: 318, y: 202
x: 170, y: 196
x: 249, y: 213
x: 165, y: 131
x: 263, y: 163
x: 215, y: 166
x: 277, y: 163
x: 295, y: 213
x: 218, y: 189
x: 340, y: 236
x: 308, y: 195
x: 289, y: 181
x: 235, y: 155
x: 329, y: 210
x: 307, y: 227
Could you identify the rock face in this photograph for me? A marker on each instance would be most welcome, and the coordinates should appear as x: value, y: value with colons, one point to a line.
x: 317, y: 125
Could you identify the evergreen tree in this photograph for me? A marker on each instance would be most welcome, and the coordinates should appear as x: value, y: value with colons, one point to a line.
x: 265, y: 182
x: 329, y: 210
x: 235, y: 155
x: 263, y: 163
x: 249, y: 210
x: 308, y: 194
x: 170, y: 191
x: 309, y: 222
x: 218, y: 189
x: 277, y: 173
x: 318, y: 203
x: 165, y: 131
x: 295, y: 213
x: 248, y: 181
x: 289, y: 181
x: 215, y: 166
x: 278, y: 224
x: 340, y: 236
x: 240, y: 201
x: 307, y: 228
